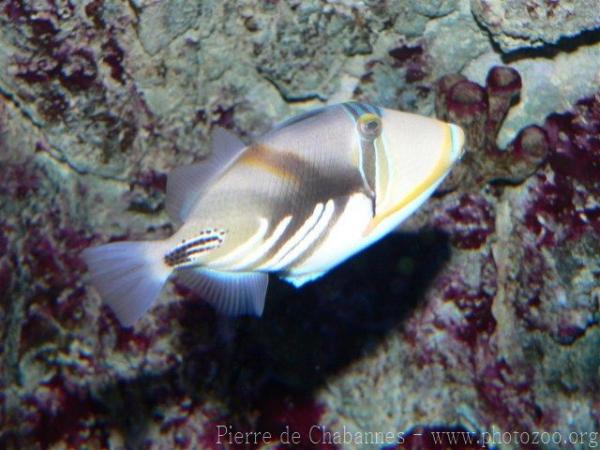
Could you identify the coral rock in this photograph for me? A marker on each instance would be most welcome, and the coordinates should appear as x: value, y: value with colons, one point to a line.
x: 516, y: 24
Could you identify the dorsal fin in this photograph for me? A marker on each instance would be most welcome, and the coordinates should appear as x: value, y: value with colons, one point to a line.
x: 298, y: 118
x: 185, y: 184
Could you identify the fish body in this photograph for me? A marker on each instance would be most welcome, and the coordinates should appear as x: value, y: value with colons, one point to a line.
x: 295, y: 202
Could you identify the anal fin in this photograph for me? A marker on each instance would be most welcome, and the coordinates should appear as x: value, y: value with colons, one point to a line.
x: 300, y: 280
x: 230, y: 293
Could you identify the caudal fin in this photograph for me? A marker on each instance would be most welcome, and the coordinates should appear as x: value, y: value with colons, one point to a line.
x: 128, y: 275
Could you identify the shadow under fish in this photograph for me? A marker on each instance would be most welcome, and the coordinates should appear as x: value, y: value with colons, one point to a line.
x: 305, y: 337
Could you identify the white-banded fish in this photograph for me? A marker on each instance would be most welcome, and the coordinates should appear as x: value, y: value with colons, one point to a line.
x: 296, y: 202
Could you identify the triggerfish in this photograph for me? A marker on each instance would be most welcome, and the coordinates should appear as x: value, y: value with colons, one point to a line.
x: 296, y: 202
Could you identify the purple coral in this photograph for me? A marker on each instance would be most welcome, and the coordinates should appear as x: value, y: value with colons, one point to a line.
x: 78, y: 69
x: 503, y: 86
x: 113, y: 56
x: 554, y: 223
x: 480, y: 110
x: 575, y: 139
x: 65, y: 413
x: 465, y: 103
x: 506, y: 392
x: 469, y: 222
x: 412, y: 59
x: 524, y: 154
x: 297, y: 414
x: 18, y: 181
x: 562, y: 203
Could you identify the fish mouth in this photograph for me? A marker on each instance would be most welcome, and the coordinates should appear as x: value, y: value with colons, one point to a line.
x: 457, y: 137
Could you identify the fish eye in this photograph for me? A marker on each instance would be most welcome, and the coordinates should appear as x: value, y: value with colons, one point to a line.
x: 372, y: 125
x: 369, y: 125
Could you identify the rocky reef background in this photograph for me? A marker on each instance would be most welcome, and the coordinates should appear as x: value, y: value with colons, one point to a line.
x: 481, y: 316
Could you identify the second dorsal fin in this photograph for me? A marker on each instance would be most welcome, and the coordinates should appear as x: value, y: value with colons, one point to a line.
x: 185, y: 184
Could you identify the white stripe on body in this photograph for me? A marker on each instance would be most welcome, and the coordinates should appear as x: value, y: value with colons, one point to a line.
x: 309, y: 238
x: 345, y: 237
x: 263, y: 249
x: 274, y: 262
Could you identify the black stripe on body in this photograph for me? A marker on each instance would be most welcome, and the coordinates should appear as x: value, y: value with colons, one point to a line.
x: 299, y: 200
x: 298, y: 220
x: 369, y: 163
x: 291, y: 229
x: 368, y: 158
x: 303, y: 237
x: 339, y: 205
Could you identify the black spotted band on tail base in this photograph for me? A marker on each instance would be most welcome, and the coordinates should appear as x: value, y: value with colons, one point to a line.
x: 185, y: 252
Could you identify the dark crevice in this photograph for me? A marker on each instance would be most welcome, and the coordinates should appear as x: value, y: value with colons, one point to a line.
x: 566, y: 44
x: 291, y: 99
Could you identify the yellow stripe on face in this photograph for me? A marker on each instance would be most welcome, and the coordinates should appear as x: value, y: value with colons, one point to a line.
x: 274, y: 163
x: 440, y: 169
x: 381, y: 191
